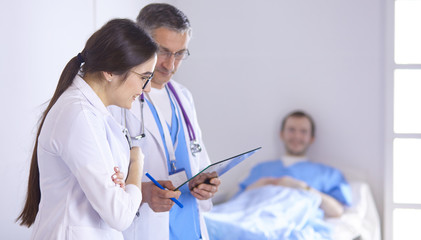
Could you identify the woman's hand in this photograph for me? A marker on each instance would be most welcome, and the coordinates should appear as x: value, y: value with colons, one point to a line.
x: 136, y: 167
x: 136, y: 155
x: 118, y: 178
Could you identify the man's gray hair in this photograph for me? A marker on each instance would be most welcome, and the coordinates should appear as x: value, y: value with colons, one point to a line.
x: 156, y: 15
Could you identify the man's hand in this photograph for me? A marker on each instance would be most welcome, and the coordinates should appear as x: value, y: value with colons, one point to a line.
x: 262, y: 182
x: 204, y: 191
x: 158, y: 199
x: 285, y: 181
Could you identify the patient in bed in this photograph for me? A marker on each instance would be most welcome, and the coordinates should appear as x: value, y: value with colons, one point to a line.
x: 286, y: 198
x: 295, y: 170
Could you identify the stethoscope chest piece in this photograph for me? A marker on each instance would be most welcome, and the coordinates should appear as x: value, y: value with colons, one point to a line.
x: 195, y: 147
x: 127, y: 135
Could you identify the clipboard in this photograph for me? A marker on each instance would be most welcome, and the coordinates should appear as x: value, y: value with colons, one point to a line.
x: 217, y: 169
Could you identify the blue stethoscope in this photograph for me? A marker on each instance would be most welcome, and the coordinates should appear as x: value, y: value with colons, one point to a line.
x: 194, y: 145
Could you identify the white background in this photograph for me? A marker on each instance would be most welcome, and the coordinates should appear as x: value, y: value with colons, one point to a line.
x: 252, y: 62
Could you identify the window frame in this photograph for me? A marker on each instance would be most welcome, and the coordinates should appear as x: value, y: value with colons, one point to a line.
x: 390, y: 135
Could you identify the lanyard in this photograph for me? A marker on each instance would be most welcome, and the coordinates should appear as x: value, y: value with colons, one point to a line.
x: 167, y: 136
x: 194, y: 145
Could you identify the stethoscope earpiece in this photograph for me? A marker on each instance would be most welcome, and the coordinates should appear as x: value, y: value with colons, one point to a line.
x: 140, y: 136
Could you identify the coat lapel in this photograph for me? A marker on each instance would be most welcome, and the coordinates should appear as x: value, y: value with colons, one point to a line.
x: 151, y: 126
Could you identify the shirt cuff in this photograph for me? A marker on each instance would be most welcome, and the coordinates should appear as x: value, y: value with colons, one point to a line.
x: 134, y: 191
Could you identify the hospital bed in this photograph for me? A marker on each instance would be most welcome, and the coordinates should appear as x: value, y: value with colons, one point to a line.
x: 361, y: 220
x: 292, y: 213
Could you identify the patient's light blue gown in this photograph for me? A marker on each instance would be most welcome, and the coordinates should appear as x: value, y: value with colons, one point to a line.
x: 324, y: 178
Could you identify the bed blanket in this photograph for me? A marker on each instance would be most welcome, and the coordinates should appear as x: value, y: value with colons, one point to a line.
x: 269, y: 212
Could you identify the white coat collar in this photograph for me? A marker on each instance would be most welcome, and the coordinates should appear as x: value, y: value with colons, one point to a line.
x: 90, y: 95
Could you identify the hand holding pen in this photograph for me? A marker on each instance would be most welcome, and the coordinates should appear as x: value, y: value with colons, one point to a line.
x: 160, y: 199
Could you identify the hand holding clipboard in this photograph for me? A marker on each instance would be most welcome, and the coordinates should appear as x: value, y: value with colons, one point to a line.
x: 217, y: 169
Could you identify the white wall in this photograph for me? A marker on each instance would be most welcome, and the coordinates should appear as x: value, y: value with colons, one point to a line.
x: 252, y: 62
x: 38, y: 38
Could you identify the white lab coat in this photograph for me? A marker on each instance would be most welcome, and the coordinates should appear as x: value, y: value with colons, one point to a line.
x: 149, y: 224
x: 79, y: 145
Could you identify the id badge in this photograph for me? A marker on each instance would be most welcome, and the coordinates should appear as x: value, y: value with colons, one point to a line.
x: 178, y: 177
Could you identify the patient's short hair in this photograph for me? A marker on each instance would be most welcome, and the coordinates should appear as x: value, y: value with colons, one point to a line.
x: 299, y: 114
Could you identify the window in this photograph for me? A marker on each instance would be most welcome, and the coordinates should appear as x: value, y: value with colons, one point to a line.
x: 403, y: 133
x: 407, y: 33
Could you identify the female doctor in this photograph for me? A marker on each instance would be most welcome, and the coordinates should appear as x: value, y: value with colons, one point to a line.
x: 70, y: 192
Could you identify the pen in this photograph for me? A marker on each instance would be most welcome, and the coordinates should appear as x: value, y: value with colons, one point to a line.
x: 161, y: 187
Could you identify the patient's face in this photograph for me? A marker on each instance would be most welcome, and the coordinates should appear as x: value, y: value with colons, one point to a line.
x: 297, y: 135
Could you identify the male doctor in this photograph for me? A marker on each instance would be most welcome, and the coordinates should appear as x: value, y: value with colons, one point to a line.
x: 173, y: 146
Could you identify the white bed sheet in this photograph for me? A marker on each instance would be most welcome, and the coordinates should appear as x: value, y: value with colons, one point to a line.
x: 361, y: 221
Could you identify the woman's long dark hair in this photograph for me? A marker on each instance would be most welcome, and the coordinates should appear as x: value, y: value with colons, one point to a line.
x: 116, y: 48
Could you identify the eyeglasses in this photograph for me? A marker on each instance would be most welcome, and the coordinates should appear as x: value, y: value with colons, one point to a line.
x: 144, y: 78
x: 180, y: 55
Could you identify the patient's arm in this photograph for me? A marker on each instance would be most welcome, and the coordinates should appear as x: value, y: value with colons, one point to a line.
x: 262, y: 182
x: 282, y: 181
x: 329, y: 205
